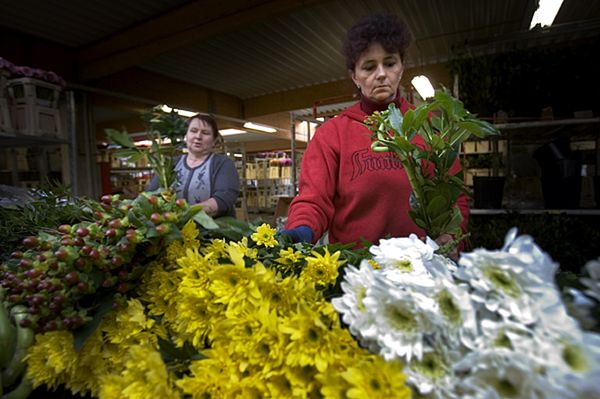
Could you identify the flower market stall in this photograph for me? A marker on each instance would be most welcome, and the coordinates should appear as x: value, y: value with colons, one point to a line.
x: 151, y: 298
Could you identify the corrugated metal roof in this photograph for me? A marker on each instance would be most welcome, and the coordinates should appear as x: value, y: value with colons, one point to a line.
x: 301, y: 47
x: 76, y: 23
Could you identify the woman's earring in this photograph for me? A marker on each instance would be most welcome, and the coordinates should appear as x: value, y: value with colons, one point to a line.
x: 358, y: 87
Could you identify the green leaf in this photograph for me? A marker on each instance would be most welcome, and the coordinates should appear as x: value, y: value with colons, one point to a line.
x: 142, y: 203
x: 103, y: 306
x: 404, y: 144
x: 437, y: 206
x: 454, y: 222
x: 421, y: 114
x: 174, y: 234
x: 131, y: 154
x: 407, y: 121
x: 473, y: 128
x: 205, y: 221
x: 118, y: 137
x: 395, y: 118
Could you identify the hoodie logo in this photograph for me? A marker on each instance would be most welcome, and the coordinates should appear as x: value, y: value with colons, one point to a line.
x: 367, y: 161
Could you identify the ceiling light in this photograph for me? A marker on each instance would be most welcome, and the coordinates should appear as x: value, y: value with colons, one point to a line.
x: 148, y: 143
x: 237, y: 155
x: 256, y: 126
x: 231, y: 131
x: 546, y: 12
x: 423, y: 86
x: 182, y: 112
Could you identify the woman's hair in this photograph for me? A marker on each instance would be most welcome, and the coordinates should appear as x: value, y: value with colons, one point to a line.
x: 388, y: 30
x: 210, y: 121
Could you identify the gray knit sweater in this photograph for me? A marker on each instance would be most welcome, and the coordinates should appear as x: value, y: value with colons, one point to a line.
x: 216, y: 177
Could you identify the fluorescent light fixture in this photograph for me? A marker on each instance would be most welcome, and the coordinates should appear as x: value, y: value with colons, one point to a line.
x: 256, y: 126
x: 148, y: 143
x: 423, y: 86
x: 231, y: 131
x: 182, y: 112
x: 546, y: 12
x: 238, y: 155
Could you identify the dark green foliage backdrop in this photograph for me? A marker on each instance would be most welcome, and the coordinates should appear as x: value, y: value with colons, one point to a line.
x: 571, y: 240
x: 522, y: 82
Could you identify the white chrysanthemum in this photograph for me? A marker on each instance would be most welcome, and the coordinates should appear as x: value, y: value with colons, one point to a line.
x: 432, y: 376
x: 404, y: 260
x: 501, y: 373
x: 581, y: 306
x: 509, y: 335
x: 513, y: 282
x: 593, y: 282
x: 538, y: 261
x: 354, y: 286
x: 457, y: 310
x: 402, y: 318
x: 573, y: 360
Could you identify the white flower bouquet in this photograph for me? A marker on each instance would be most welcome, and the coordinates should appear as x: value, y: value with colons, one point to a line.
x: 492, y: 326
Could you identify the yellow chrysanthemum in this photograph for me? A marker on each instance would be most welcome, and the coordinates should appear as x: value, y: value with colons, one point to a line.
x: 131, y: 324
x: 144, y: 376
x: 265, y: 236
x: 303, y: 381
x: 310, y: 340
x: 92, y: 363
x: 242, y: 247
x: 159, y: 290
x: 51, y: 358
x: 374, y: 264
x: 211, y: 377
x: 235, y: 287
x: 333, y: 385
x: 216, y: 249
x: 322, y: 269
x: 195, y: 318
x: 376, y: 378
x: 279, y: 385
x: 253, y: 338
x: 190, y: 233
x: 289, y: 256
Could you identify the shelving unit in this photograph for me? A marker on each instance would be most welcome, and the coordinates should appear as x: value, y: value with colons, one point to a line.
x: 34, y: 144
x: 484, y: 158
x: 124, y: 177
x: 514, y: 159
x: 267, y: 177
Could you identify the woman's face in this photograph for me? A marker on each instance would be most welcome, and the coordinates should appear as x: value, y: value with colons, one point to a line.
x: 378, y: 73
x: 199, y: 138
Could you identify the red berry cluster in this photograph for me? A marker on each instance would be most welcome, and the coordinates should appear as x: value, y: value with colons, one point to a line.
x: 62, y: 273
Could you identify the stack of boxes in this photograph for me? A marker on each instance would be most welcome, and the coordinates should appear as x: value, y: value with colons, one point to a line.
x: 29, y: 106
x: 268, y: 177
x: 34, y: 107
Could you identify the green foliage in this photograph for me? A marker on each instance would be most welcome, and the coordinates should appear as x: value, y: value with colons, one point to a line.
x: 160, y: 126
x: 570, y: 240
x: 49, y: 207
x: 522, y: 82
x: 443, y: 124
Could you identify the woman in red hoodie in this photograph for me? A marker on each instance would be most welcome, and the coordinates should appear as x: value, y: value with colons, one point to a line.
x: 346, y: 189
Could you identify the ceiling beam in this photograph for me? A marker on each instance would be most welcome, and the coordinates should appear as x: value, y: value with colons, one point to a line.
x: 184, y: 26
x: 340, y: 90
x: 157, y: 89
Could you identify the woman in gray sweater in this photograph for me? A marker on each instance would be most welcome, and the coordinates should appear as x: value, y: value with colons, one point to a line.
x: 203, y: 176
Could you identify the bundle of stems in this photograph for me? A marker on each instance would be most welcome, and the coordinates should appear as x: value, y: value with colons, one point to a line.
x: 442, y: 124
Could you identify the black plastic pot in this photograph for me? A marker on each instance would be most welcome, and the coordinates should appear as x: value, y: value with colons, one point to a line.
x: 561, y: 175
x: 488, y: 192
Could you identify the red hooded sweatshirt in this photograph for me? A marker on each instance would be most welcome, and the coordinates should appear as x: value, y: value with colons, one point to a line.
x: 350, y: 191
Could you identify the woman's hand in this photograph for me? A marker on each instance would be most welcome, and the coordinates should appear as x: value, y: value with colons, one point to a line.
x: 445, y: 239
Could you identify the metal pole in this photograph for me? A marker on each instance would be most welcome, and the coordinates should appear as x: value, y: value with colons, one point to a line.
x: 72, y: 141
x: 293, y: 149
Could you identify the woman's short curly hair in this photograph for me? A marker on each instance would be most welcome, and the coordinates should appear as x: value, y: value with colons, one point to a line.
x: 386, y: 29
